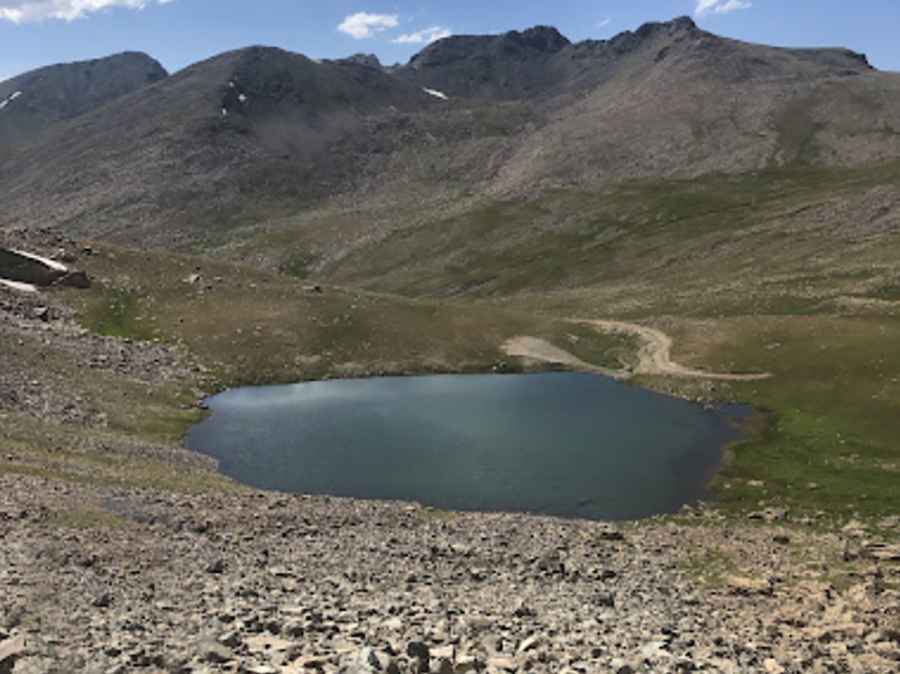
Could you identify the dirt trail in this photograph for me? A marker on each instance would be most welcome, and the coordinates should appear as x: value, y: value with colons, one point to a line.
x: 654, y: 355
x: 544, y: 351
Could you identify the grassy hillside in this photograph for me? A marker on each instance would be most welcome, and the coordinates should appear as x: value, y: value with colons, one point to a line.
x: 769, y: 242
x: 253, y: 326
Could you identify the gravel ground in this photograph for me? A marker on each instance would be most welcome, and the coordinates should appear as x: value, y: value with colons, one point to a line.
x: 254, y: 582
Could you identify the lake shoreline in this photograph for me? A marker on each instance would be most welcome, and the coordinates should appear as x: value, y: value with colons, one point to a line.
x: 564, y: 391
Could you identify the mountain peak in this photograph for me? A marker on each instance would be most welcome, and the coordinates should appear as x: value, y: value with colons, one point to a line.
x: 368, y: 60
x: 678, y: 24
x: 38, y: 98
x: 683, y: 22
x: 541, y: 38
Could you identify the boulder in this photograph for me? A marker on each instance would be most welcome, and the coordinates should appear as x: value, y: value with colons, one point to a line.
x: 215, y: 653
x: 23, y: 268
x: 75, y: 279
x: 10, y: 651
x: 35, y: 270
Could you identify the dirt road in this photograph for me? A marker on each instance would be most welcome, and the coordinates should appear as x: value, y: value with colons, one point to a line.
x: 654, y: 355
x: 542, y: 350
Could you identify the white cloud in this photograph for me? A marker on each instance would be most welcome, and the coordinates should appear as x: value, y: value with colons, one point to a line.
x: 721, y: 6
x: 362, y: 24
x: 424, y: 36
x: 22, y: 11
x: 604, y: 23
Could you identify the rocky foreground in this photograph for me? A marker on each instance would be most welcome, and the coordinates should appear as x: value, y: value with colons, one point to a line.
x: 264, y: 583
x: 105, y: 571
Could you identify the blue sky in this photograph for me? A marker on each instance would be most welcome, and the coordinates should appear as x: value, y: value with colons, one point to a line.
x: 180, y: 32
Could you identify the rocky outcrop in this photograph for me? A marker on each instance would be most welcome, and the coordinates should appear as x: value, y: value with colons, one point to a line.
x: 10, y: 651
x: 36, y: 270
x: 16, y: 266
x: 495, y: 67
x: 368, y: 60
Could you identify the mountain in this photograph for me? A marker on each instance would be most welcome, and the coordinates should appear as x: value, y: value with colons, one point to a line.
x: 338, y: 156
x: 540, y: 62
x: 243, y: 130
x: 369, y: 60
x: 513, y: 65
x: 35, y: 100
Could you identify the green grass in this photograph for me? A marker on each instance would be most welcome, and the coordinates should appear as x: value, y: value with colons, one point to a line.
x: 834, y: 423
x: 683, y: 235
x: 118, y: 314
x: 254, y: 327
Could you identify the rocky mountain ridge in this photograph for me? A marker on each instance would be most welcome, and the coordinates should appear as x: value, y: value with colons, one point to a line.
x: 33, y: 101
x: 258, y: 134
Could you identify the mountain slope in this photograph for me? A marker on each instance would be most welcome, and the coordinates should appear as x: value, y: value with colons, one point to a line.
x: 35, y: 100
x: 263, y: 141
x: 259, y: 121
x: 671, y: 100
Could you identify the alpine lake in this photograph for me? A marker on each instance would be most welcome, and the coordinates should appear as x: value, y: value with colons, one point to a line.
x: 562, y: 444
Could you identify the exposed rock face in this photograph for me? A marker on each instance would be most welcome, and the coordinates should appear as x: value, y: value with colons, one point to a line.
x: 368, y: 60
x: 496, y: 67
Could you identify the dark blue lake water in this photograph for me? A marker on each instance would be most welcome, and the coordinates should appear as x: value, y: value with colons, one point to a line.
x: 574, y: 445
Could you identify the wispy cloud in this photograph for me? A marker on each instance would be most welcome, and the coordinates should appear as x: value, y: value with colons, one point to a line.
x: 603, y: 23
x: 424, y: 36
x: 363, y: 25
x: 721, y: 6
x: 24, y: 11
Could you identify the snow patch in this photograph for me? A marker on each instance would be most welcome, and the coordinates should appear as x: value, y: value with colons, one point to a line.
x: 231, y: 84
x: 436, y: 93
x: 9, y: 100
x: 242, y: 98
x: 53, y: 264
x: 224, y: 112
x: 16, y: 285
